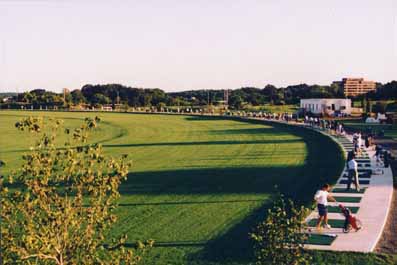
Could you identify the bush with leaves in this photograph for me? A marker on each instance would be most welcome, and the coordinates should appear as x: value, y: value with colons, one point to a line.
x: 62, y: 203
x: 280, y: 238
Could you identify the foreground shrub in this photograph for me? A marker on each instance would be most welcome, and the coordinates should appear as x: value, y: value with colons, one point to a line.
x: 280, y: 238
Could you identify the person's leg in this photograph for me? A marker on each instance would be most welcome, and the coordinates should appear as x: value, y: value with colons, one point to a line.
x: 320, y: 209
x: 326, y: 225
x: 319, y: 221
x: 356, y: 181
x: 346, y: 224
x: 349, y: 180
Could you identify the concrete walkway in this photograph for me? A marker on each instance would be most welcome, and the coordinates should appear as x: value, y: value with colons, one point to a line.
x: 373, y: 207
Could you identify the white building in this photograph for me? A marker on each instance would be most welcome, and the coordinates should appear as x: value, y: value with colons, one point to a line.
x: 327, y: 105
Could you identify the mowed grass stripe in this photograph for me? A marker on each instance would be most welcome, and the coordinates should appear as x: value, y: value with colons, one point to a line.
x: 344, y: 190
x: 361, y: 181
x: 319, y: 239
x: 347, y: 199
x: 336, y: 209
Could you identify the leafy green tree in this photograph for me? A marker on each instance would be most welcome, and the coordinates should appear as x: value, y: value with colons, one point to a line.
x: 100, y: 99
x: 387, y: 91
x: 379, y: 107
x: 235, y: 102
x: 63, y: 204
x: 28, y: 97
x: 280, y: 238
x: 271, y: 92
x: 77, y: 97
x: 161, y: 106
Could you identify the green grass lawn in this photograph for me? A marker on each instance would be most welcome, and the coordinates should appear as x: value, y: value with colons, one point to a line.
x: 198, y: 185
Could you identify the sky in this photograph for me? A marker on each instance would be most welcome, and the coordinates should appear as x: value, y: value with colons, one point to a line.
x: 194, y: 44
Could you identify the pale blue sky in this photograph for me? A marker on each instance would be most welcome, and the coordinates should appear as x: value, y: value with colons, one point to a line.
x: 180, y: 45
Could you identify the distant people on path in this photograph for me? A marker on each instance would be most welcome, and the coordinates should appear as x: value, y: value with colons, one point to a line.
x: 378, y: 153
x: 352, y: 167
x: 355, y: 137
x: 333, y: 127
x: 340, y: 129
x: 387, y: 157
x: 357, y: 142
x: 350, y: 155
x: 322, y: 197
x: 323, y: 124
x: 367, y: 141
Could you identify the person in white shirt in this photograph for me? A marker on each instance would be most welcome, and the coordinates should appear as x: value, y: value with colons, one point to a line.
x: 352, y: 168
x: 355, y: 138
x: 340, y: 129
x: 322, y: 197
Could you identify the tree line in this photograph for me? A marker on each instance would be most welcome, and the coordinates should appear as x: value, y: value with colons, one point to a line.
x: 117, y: 94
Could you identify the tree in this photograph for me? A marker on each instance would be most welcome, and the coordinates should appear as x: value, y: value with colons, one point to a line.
x: 280, y: 238
x: 387, y: 91
x: 379, y: 107
x: 28, y: 97
x: 64, y: 202
x: 77, y: 97
x: 336, y: 90
x: 161, y: 106
x: 100, y: 99
x: 271, y: 92
x: 236, y: 102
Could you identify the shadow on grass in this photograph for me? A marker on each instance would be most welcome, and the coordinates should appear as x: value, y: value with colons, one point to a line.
x: 203, y: 118
x: 209, y: 180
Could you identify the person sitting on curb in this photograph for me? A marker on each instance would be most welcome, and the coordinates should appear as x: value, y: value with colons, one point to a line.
x: 322, y: 197
x: 352, y: 167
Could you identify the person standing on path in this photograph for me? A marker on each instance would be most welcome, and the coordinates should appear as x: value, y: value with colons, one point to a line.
x: 359, y: 142
x: 366, y: 141
x: 340, y: 128
x: 352, y: 168
x: 322, y: 197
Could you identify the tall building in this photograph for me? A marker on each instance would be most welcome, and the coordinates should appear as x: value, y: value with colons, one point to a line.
x: 356, y: 86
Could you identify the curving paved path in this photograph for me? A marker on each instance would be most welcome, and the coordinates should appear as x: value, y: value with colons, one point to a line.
x: 373, y: 207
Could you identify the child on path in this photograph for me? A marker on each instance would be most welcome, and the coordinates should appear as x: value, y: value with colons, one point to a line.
x: 322, y: 196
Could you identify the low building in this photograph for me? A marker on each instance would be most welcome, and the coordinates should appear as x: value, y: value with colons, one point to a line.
x: 328, y: 106
x: 353, y: 87
x: 7, y: 99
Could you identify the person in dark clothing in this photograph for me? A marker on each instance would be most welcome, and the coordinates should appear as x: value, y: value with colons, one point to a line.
x: 378, y: 152
x: 386, y: 158
x: 367, y: 145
